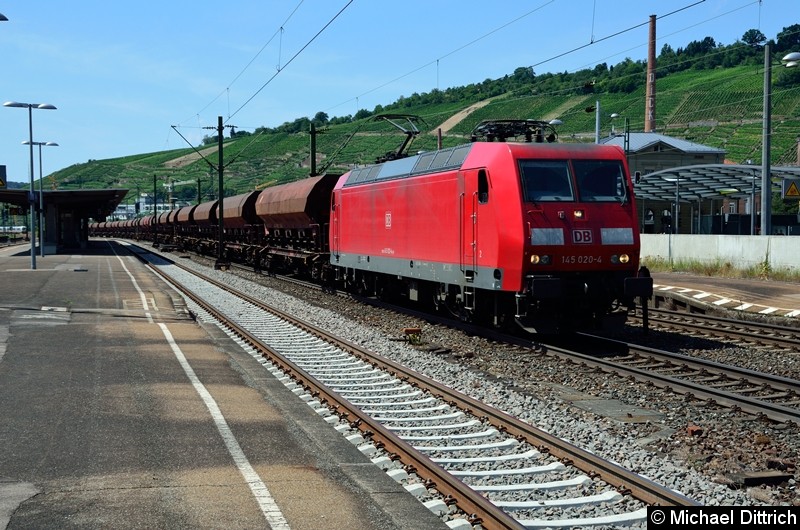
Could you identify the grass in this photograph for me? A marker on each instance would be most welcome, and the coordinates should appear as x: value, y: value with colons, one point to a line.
x: 721, y: 108
x: 722, y: 269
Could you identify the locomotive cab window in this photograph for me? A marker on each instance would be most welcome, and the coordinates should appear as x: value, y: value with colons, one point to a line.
x: 600, y: 180
x: 546, y: 180
x: 483, y: 187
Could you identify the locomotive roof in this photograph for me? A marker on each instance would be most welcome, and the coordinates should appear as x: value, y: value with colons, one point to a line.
x: 450, y: 158
x: 442, y: 160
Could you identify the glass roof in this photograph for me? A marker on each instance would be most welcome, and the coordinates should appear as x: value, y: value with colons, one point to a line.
x: 709, y: 181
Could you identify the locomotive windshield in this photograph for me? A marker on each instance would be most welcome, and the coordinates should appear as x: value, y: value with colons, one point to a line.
x: 546, y: 180
x: 551, y: 180
x: 600, y: 180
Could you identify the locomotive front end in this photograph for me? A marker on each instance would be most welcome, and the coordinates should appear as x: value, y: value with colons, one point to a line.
x: 581, y: 259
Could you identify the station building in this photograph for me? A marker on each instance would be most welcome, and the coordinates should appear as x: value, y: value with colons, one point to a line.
x: 66, y: 214
x: 688, y: 188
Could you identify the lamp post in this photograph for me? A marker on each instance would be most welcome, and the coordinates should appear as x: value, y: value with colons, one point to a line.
x: 597, y: 115
x: 789, y: 60
x: 41, y: 195
x: 597, y: 123
x: 613, y: 116
x: 674, y: 222
x: 31, y: 195
x: 753, y: 207
x: 766, y: 182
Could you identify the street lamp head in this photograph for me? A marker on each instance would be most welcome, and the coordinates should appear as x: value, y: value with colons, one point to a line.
x: 28, y: 142
x: 3, y: 18
x: 791, y: 59
x: 45, y: 106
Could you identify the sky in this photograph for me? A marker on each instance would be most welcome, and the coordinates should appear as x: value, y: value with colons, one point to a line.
x: 139, y: 77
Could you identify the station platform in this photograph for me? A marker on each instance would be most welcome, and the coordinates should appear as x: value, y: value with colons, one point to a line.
x: 121, y: 411
x: 759, y: 297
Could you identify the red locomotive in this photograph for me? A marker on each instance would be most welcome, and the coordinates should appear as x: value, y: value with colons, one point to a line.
x: 540, y: 234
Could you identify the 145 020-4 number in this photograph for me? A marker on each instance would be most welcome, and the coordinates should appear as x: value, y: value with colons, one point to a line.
x: 581, y: 260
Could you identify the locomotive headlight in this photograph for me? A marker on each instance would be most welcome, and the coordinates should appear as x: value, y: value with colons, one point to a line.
x: 624, y: 258
x: 546, y: 260
x: 614, y: 259
x: 541, y: 260
x: 578, y: 214
x: 534, y: 259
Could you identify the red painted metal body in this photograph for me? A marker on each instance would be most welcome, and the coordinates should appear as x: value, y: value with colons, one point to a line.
x: 479, y: 222
x: 438, y: 217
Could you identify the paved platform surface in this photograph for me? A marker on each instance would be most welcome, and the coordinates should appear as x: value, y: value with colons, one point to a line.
x: 765, y: 297
x: 120, y: 411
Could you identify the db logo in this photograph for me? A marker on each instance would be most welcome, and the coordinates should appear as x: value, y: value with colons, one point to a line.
x: 581, y: 236
x: 387, y: 219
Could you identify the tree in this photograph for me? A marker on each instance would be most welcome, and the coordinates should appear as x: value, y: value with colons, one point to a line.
x: 753, y: 37
x: 667, y: 60
x: 600, y: 69
x: 524, y: 74
x: 703, y: 47
x: 320, y: 118
x: 789, y: 39
x: 788, y: 78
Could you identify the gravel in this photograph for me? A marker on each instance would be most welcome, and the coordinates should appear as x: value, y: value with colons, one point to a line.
x: 694, y: 448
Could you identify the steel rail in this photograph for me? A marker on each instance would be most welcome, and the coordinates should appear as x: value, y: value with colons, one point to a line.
x: 752, y: 332
x: 756, y: 377
x: 731, y: 400
x: 625, y: 481
x: 471, y: 502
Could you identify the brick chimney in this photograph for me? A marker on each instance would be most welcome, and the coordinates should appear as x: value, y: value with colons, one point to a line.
x: 650, y: 98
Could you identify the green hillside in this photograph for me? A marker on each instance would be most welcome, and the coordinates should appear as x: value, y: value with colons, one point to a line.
x: 698, y: 97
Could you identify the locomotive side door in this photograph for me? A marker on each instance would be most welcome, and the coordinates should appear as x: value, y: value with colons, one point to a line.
x: 335, y: 227
x: 468, y: 225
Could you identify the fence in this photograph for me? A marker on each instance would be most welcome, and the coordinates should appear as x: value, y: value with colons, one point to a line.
x: 742, y: 252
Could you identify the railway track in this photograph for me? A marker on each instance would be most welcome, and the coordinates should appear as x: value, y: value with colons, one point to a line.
x: 496, y: 469
x: 763, y: 395
x: 729, y: 329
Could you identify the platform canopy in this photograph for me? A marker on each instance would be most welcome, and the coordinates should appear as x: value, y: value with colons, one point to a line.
x: 709, y: 181
x: 95, y: 204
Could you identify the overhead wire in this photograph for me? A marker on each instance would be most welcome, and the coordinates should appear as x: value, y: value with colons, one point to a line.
x: 279, y: 31
x: 279, y: 69
x: 592, y: 41
x: 636, y: 74
x: 306, y: 45
x: 448, y: 54
x: 470, y: 43
x: 661, y: 37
